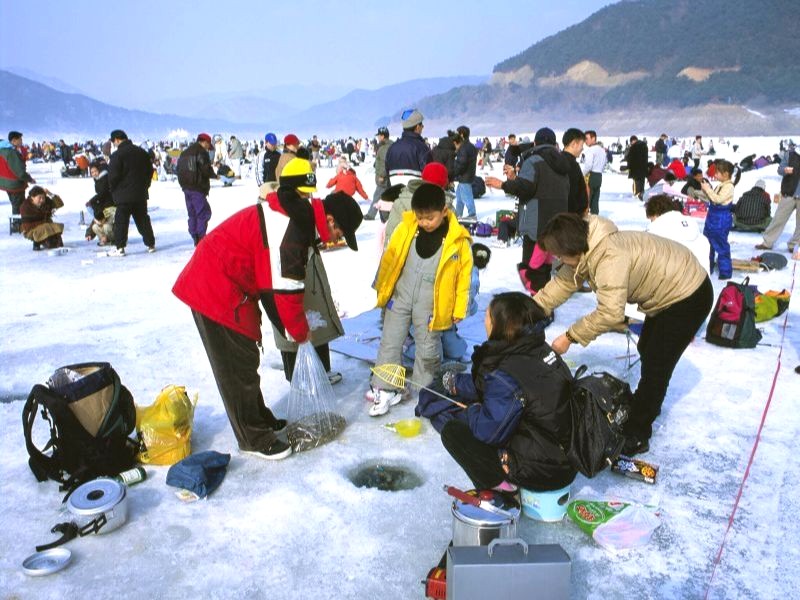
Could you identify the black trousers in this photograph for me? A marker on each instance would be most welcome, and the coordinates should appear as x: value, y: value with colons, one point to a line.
x: 481, y: 462
x: 663, y: 341
x: 234, y: 361
x: 289, y: 359
x: 638, y: 187
x: 16, y: 199
x: 122, y: 220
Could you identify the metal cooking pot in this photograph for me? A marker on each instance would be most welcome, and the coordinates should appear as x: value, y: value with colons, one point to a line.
x: 474, y: 526
x: 98, y: 506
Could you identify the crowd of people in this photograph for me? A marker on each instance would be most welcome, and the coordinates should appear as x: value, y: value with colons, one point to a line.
x: 508, y: 426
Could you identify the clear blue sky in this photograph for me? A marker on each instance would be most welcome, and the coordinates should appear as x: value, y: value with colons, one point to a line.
x: 130, y: 51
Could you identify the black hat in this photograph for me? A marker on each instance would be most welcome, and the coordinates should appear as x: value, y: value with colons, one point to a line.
x: 347, y: 214
x: 13, y: 135
x: 384, y: 131
x: 118, y: 134
x: 480, y: 255
x: 545, y: 136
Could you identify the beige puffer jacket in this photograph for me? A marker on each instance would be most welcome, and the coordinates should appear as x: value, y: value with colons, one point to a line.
x: 623, y: 266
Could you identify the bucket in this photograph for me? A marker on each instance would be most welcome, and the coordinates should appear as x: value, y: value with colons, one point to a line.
x: 545, y: 506
x: 473, y: 526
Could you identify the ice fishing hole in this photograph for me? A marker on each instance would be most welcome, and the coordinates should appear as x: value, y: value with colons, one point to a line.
x: 384, y: 477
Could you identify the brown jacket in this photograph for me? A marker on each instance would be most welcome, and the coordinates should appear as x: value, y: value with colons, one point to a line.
x: 623, y: 266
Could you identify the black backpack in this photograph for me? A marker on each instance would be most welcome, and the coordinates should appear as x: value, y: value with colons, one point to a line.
x: 90, y: 415
x: 478, y: 187
x: 599, y: 404
x: 188, y: 169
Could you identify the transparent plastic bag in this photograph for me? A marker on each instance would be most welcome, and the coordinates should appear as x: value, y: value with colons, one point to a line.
x: 631, y: 528
x: 165, y: 427
x: 311, y: 416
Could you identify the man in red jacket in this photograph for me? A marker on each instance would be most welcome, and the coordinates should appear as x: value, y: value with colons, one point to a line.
x: 259, y: 255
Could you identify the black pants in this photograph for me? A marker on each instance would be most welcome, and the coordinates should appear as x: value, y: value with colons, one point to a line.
x: 16, y: 199
x: 638, y: 187
x: 289, y: 358
x: 122, y: 220
x: 234, y: 361
x: 481, y: 462
x: 663, y: 341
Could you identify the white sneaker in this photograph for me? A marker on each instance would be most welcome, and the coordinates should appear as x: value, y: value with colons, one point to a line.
x: 116, y: 252
x: 151, y: 249
x: 383, y: 400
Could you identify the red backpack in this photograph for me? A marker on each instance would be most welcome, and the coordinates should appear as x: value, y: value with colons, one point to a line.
x: 733, y: 320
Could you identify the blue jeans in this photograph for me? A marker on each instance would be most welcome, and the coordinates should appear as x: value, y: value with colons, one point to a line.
x: 464, y: 196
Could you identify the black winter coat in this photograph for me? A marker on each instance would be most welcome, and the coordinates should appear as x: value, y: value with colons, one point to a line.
x: 445, y: 153
x: 578, y: 198
x: 194, y: 169
x: 466, y: 162
x: 536, y: 458
x: 130, y: 173
x: 270, y: 164
x: 637, y: 160
x: 542, y: 188
x: 102, y: 196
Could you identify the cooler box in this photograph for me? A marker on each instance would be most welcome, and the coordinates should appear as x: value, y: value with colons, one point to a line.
x: 508, y: 569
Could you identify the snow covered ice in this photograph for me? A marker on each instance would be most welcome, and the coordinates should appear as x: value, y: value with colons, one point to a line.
x: 298, y: 528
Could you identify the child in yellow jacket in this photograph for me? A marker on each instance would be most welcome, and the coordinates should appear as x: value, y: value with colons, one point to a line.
x: 423, y: 280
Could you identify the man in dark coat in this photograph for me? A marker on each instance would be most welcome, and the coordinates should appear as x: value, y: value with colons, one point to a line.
x: 381, y: 175
x: 130, y: 173
x: 14, y: 177
x: 268, y: 162
x: 637, y: 165
x: 194, y: 176
x: 542, y: 188
x: 578, y: 199
x: 407, y: 157
x: 466, y: 162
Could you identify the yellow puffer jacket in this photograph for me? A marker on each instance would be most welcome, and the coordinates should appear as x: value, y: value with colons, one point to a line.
x: 623, y: 266
x: 451, y: 287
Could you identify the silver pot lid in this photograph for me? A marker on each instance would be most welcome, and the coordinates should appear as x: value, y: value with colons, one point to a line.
x: 96, y: 497
x: 475, y: 515
x: 46, y: 561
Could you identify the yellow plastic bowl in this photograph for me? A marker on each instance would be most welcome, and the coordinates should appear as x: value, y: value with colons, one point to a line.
x: 408, y: 427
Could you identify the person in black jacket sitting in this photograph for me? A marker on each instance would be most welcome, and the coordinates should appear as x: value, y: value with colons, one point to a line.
x: 516, y: 419
x: 101, y: 205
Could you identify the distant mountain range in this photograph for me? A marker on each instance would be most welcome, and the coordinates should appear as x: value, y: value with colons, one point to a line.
x: 681, y: 59
x: 40, y: 110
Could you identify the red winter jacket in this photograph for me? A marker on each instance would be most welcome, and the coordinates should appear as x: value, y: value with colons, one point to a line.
x: 259, y: 253
x: 347, y: 182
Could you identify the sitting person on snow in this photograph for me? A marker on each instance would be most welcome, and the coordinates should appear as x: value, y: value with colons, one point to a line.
x: 423, y: 279
x: 516, y: 423
x: 752, y: 211
x: 37, y: 223
x: 101, y: 205
x: 347, y: 181
x: 667, y: 221
x: 226, y: 175
x: 694, y: 185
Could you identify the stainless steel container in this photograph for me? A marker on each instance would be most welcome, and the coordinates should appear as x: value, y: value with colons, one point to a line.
x: 473, y: 526
x: 99, y: 506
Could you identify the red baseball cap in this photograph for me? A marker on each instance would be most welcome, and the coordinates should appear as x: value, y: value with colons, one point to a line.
x: 291, y: 140
x: 204, y: 137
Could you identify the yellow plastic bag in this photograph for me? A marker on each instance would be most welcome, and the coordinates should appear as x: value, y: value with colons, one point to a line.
x: 165, y: 427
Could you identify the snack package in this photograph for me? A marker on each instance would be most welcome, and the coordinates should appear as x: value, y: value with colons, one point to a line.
x: 635, y: 469
x: 590, y: 514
